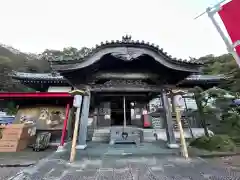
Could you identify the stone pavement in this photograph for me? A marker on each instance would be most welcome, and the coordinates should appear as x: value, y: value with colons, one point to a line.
x: 7, y: 172
x: 23, y: 158
x: 127, y: 167
x: 101, y: 149
x: 127, y: 162
x: 12, y: 162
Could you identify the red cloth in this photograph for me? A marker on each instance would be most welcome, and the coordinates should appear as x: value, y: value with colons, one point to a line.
x: 146, y: 122
x: 230, y: 15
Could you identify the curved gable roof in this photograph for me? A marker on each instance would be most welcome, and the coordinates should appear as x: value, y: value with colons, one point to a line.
x: 127, y: 50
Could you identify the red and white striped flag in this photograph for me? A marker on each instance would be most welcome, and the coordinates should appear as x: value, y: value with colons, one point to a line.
x: 230, y: 15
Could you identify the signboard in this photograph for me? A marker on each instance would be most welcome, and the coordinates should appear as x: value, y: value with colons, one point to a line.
x: 45, y: 117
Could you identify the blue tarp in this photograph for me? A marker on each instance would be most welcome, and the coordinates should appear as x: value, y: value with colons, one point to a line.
x: 236, y: 101
x: 6, y: 119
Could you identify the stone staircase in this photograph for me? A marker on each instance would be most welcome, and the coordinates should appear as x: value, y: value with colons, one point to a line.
x: 101, y: 135
x: 157, y: 123
x: 184, y: 122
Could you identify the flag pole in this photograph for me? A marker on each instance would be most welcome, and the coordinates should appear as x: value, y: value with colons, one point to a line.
x: 211, y: 12
x: 218, y: 4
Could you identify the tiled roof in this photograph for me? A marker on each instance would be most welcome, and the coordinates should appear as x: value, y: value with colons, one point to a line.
x: 37, y: 76
x: 57, y: 76
x: 126, y: 41
x: 200, y: 77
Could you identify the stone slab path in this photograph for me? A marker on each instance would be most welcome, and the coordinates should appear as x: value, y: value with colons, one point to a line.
x: 130, y: 168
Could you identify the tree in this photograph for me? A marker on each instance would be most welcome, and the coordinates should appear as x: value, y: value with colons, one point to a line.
x: 211, y: 105
x: 216, y: 108
x: 5, y: 69
x: 198, y: 96
x: 224, y: 64
x: 69, y: 53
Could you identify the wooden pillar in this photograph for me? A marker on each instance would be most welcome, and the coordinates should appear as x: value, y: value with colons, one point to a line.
x: 82, y: 136
x: 65, y: 125
x: 171, y: 141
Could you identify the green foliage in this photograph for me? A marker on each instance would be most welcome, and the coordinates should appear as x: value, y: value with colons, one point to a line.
x: 5, y: 69
x: 224, y: 64
x: 69, y: 53
x: 199, y: 98
x: 214, y: 107
x: 217, y: 111
x: 18, y: 61
x: 227, y: 117
x: 11, y: 108
x: 230, y: 124
x: 214, y: 143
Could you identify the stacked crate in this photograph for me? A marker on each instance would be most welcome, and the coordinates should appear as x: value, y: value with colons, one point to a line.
x: 16, y: 137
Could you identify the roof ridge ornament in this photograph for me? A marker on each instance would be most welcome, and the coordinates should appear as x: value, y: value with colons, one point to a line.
x: 126, y: 38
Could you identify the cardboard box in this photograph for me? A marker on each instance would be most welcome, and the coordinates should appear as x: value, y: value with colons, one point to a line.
x: 17, y: 132
x: 13, y: 145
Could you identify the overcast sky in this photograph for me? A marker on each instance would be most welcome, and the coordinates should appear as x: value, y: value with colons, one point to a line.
x: 36, y: 25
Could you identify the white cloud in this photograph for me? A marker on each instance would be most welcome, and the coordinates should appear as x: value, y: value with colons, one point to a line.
x: 33, y: 26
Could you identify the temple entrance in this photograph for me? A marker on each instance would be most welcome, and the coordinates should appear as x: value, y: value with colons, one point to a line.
x: 119, y: 111
x: 112, y: 109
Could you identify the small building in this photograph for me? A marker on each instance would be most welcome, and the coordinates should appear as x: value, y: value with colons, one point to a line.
x: 121, y: 77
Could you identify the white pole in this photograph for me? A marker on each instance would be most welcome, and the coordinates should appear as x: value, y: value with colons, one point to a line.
x: 179, y: 122
x: 230, y: 47
x: 218, y: 4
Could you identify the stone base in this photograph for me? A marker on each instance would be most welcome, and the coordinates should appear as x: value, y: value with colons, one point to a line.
x: 173, y: 146
x: 81, y: 147
x: 60, y: 149
x: 121, y: 135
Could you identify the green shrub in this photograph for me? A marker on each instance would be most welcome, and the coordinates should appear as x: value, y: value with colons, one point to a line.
x: 236, y: 140
x: 214, y: 143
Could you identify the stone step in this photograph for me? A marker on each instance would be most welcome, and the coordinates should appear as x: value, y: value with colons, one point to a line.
x: 100, y: 134
x: 90, y: 132
x: 100, y: 139
x: 184, y: 123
